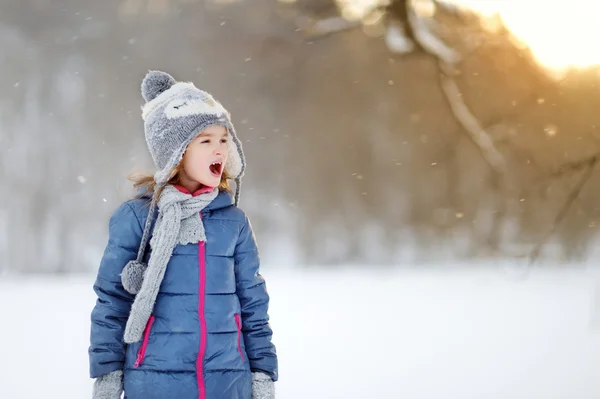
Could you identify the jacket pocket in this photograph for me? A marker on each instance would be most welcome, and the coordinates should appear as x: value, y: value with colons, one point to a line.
x: 238, y: 322
x: 142, y: 352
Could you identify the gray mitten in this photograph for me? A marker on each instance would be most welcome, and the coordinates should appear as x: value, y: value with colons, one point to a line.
x: 109, y: 386
x: 263, y: 386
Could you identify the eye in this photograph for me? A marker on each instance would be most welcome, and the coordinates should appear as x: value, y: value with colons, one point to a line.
x: 181, y: 104
x: 223, y: 140
x: 205, y: 141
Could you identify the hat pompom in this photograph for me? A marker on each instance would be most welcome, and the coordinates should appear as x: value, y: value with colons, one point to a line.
x: 155, y: 83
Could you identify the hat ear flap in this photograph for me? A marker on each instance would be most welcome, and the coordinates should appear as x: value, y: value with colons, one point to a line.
x: 235, y: 161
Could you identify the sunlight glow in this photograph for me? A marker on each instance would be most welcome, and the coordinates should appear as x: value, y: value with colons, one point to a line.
x: 560, y: 35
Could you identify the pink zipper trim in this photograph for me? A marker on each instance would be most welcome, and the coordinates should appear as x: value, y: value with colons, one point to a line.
x: 201, y: 289
x: 142, y: 351
x: 238, y: 321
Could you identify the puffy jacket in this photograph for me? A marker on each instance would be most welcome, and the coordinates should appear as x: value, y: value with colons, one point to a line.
x: 209, y: 329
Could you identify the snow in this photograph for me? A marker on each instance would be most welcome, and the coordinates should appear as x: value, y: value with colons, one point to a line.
x: 396, y: 39
x: 378, y: 333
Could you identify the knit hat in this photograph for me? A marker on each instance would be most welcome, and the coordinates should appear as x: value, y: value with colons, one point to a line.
x: 175, y: 114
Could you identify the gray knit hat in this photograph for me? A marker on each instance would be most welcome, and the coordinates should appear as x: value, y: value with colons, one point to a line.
x: 175, y: 113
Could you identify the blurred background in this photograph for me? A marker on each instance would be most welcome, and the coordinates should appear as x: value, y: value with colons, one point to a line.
x: 422, y: 181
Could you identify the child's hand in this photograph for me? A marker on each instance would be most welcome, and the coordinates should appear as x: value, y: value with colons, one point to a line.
x: 109, y: 386
x: 263, y: 386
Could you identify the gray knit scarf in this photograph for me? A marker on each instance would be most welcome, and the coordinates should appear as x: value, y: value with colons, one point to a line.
x: 178, y: 222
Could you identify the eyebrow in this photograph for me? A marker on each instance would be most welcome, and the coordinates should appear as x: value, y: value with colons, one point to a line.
x: 205, y: 134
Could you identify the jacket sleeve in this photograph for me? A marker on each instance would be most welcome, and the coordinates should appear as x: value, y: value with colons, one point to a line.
x: 254, y: 301
x: 109, y: 316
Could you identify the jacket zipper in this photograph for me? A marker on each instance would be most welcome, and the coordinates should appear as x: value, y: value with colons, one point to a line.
x: 238, y: 322
x: 202, y: 350
x: 142, y: 352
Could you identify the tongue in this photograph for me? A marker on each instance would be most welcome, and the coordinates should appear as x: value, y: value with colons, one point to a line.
x: 215, y: 169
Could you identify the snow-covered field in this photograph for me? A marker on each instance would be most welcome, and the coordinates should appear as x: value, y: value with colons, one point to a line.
x: 340, y: 334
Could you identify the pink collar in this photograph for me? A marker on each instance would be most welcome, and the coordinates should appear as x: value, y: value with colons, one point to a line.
x: 202, y: 190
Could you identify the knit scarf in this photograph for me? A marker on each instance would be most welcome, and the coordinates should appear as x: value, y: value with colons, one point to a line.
x: 178, y: 222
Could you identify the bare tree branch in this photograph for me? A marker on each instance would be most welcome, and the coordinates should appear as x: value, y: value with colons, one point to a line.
x: 471, y: 124
x: 431, y: 42
x: 320, y: 28
x: 448, y: 58
x: 574, y: 166
x: 535, y: 253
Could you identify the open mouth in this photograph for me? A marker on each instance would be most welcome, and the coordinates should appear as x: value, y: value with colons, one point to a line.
x: 216, y: 168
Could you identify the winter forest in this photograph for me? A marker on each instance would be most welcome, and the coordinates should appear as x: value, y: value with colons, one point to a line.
x: 422, y: 177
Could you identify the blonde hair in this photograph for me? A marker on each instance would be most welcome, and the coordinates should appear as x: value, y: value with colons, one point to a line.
x: 147, y: 183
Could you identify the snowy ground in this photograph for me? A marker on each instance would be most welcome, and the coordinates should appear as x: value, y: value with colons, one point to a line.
x: 403, y: 334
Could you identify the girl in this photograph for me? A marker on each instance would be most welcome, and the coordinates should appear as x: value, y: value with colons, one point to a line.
x: 185, y: 316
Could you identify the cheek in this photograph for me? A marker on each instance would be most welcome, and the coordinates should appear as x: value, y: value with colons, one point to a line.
x: 192, y: 162
x: 226, y: 153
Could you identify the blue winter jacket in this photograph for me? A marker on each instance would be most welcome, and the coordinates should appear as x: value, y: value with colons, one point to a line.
x: 209, y: 329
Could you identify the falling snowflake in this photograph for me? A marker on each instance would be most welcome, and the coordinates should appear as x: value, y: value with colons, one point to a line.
x: 551, y: 130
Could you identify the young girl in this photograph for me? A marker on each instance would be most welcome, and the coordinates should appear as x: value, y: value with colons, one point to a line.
x: 185, y: 316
